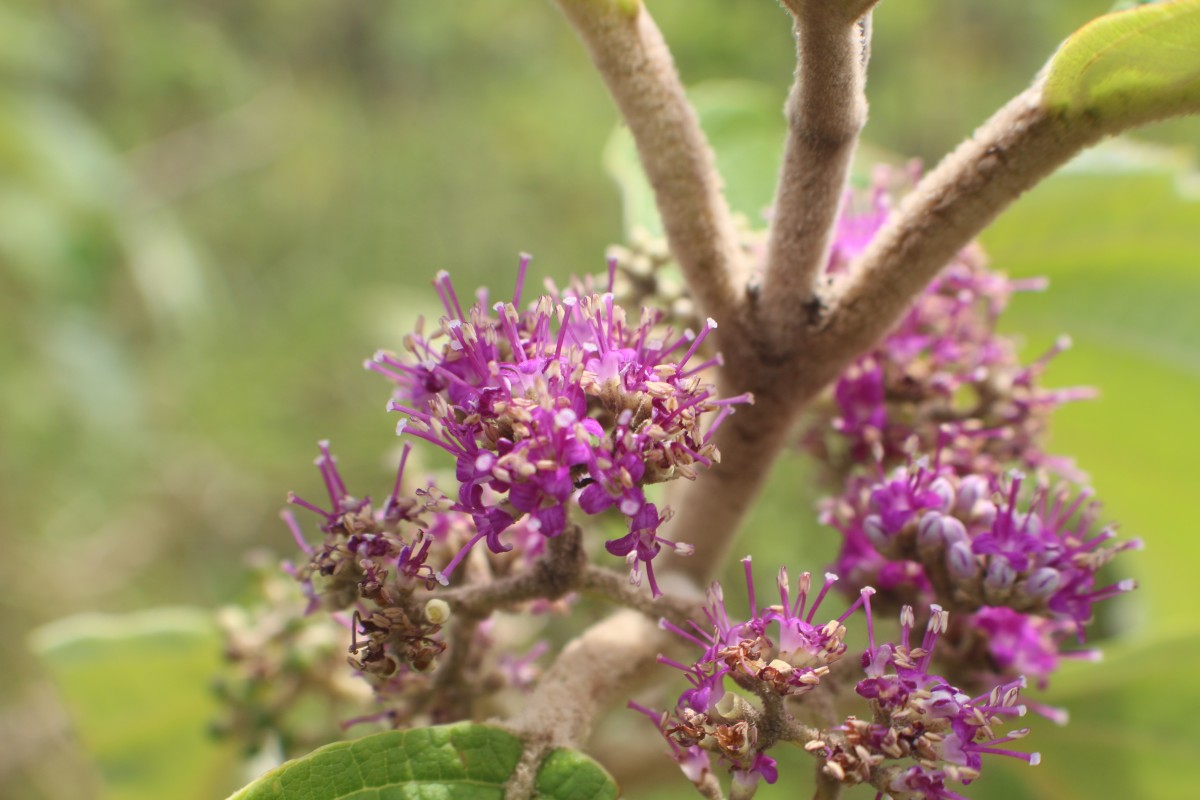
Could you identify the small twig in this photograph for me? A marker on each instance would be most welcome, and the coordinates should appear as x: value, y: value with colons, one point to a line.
x: 524, y: 778
x: 629, y: 52
x: 609, y: 660
x: 451, y: 696
x: 1013, y: 151
x: 827, y: 786
x: 553, y: 575
x: 615, y: 586
x: 826, y: 112
x: 709, y: 787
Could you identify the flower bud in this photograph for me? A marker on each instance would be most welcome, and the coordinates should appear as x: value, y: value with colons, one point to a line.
x: 1042, y: 583
x: 940, y: 530
x: 984, y: 513
x: 945, y: 493
x: 971, y: 490
x: 1000, y: 575
x: 437, y: 611
x: 961, y: 563
x: 953, y: 531
x: 929, y: 532
x: 873, y: 528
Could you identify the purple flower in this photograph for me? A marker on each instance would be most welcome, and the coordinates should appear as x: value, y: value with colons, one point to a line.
x: 917, y: 715
x: 369, y: 563
x: 692, y: 760
x: 560, y: 404
x: 919, y: 781
x: 971, y: 541
x: 779, y: 649
x: 1023, y: 644
x: 782, y: 645
x: 943, y: 362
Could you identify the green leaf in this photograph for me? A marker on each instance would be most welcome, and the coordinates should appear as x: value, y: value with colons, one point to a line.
x: 1116, y: 235
x: 570, y: 775
x: 1130, y: 66
x: 137, y: 689
x: 464, y: 761
x: 637, y: 198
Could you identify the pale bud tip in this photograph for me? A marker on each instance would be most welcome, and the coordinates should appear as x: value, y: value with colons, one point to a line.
x: 437, y: 611
x: 1035, y: 759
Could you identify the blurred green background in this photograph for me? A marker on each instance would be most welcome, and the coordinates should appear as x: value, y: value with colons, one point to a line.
x: 211, y: 211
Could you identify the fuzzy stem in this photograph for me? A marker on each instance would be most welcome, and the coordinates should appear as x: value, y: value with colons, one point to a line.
x: 826, y: 112
x: 709, y: 510
x: 614, y: 586
x: 1013, y: 151
x: 828, y: 787
x: 450, y: 698
x: 553, y: 575
x: 608, y: 660
x: 1022, y: 144
x: 629, y: 52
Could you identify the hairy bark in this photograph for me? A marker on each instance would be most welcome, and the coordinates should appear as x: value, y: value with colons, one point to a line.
x: 629, y: 52
x: 826, y: 111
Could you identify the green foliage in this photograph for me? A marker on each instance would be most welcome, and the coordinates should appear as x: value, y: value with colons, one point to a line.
x: 303, y: 166
x: 1128, y: 734
x: 570, y: 775
x: 1130, y: 67
x: 464, y: 761
x: 138, y: 687
x: 1116, y: 235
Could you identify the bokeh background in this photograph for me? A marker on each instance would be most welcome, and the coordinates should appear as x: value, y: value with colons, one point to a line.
x: 211, y: 211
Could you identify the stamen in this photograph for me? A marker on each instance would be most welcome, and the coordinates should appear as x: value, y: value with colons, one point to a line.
x: 521, y: 269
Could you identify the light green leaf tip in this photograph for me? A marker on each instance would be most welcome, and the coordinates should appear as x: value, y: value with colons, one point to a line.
x: 627, y: 7
x: 136, y: 687
x: 464, y: 761
x: 570, y: 775
x: 1131, y: 66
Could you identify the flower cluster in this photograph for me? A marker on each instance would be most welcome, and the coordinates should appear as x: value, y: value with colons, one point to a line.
x: 273, y: 653
x: 371, y: 563
x: 780, y: 650
x: 917, y: 716
x: 943, y: 365
x: 1026, y: 566
x: 1019, y: 559
x: 918, y: 734
x: 562, y: 403
x: 979, y: 544
x: 378, y: 571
